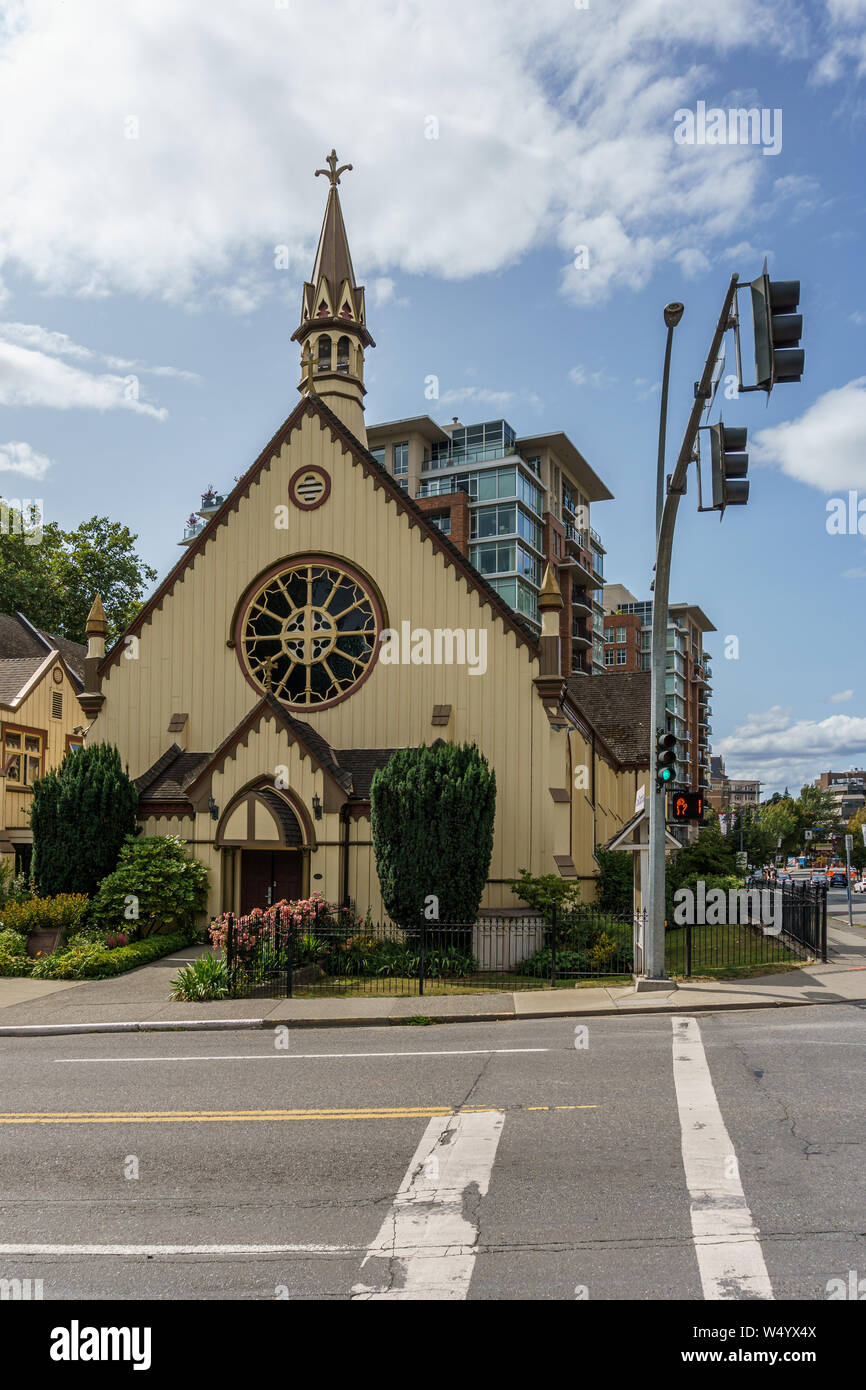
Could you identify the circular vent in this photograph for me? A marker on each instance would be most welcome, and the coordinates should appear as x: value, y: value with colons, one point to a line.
x: 309, y: 488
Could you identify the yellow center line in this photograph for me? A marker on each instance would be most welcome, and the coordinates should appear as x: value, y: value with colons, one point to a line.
x: 145, y: 1117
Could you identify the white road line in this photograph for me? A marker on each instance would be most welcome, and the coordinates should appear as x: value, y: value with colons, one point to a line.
x: 428, y: 1241
x: 155, y: 1250
x: 311, y: 1056
x: 730, y: 1259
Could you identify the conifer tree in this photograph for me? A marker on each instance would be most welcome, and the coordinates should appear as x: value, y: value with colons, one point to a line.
x: 81, y: 814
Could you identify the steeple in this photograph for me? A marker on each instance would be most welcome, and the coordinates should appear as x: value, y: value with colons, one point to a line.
x: 333, y: 331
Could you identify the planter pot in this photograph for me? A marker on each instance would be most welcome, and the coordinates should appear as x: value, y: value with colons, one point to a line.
x: 44, y: 941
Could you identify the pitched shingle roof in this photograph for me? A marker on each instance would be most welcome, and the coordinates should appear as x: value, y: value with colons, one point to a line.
x: 618, y: 708
x: 15, y: 672
x: 21, y: 638
x: 170, y: 775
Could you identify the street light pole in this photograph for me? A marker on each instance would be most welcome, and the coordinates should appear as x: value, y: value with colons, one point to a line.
x: 673, y: 314
x: 654, y: 959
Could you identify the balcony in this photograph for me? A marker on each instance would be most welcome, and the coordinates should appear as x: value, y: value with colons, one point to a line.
x: 580, y: 637
x: 192, y: 530
x: 210, y: 503
x: 581, y: 603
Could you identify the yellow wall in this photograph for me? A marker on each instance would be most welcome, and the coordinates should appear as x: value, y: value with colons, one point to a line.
x: 182, y: 663
x: 35, y: 713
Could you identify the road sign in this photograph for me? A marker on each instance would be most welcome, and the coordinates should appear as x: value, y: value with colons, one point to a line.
x: 742, y: 861
x: 640, y: 799
x: 849, y: 843
x: 687, y: 806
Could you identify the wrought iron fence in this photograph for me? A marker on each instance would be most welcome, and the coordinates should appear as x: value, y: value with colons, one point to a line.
x: 271, y: 957
x: 277, y: 956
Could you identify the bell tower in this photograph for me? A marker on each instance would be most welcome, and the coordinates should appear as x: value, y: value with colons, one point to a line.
x: 333, y: 330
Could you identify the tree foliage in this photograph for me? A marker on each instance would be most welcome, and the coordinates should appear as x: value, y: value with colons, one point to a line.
x: 54, y: 582
x: 155, y: 888
x: 81, y: 814
x: 432, y: 813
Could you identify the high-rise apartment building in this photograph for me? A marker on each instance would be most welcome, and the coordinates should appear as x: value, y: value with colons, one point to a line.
x: 731, y: 793
x: 627, y: 647
x: 511, y: 505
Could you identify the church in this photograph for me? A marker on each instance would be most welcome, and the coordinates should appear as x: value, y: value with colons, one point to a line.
x: 320, y: 620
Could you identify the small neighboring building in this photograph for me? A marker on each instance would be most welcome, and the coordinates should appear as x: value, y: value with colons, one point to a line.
x: 731, y: 793
x: 41, y: 677
x: 627, y: 648
x: 848, y: 790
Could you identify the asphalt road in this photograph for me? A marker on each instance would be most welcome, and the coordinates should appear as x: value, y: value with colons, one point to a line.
x: 714, y: 1157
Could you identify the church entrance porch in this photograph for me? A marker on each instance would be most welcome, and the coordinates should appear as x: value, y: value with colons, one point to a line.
x: 268, y: 876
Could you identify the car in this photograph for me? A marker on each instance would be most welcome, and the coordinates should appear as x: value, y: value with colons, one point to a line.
x: 838, y: 878
x: 819, y: 879
x: 783, y: 877
x: 859, y: 886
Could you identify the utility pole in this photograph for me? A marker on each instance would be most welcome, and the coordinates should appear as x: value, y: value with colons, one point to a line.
x: 673, y: 314
x: 654, y: 958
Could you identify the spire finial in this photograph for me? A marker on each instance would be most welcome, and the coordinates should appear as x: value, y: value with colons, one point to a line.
x: 332, y: 173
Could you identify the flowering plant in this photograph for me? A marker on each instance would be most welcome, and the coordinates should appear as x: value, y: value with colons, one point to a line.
x: 305, y: 917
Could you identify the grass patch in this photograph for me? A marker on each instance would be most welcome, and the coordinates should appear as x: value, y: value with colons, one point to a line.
x: 408, y: 985
x: 732, y: 952
x: 417, y: 1021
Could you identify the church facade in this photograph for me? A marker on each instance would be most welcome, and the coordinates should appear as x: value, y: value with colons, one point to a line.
x: 319, y: 622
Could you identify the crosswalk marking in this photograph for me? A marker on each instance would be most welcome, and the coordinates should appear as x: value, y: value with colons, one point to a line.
x: 727, y: 1245
x: 427, y: 1244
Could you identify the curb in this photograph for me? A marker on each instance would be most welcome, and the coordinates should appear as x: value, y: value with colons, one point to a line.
x: 37, y: 1030
x: 43, y: 1030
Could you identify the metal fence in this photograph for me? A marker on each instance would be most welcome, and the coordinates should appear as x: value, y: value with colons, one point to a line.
x: 275, y: 959
x: 272, y: 957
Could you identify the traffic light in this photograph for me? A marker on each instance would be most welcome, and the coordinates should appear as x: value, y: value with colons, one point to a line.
x: 687, y: 806
x: 730, y: 464
x: 778, y: 330
x: 666, y: 759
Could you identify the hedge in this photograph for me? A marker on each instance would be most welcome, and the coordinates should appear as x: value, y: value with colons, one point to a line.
x: 88, y: 960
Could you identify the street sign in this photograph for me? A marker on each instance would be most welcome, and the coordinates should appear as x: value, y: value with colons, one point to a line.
x: 687, y: 806
x: 807, y: 834
x: 863, y: 828
x: 849, y: 843
x: 742, y: 861
x: 640, y: 799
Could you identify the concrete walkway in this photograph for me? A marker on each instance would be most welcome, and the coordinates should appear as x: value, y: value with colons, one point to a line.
x: 141, y: 997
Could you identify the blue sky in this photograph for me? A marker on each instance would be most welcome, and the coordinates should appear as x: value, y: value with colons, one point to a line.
x: 154, y: 156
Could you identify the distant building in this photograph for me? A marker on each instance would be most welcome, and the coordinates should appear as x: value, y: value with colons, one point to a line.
x: 627, y: 648
x: 848, y: 790
x: 511, y: 505
x: 731, y: 793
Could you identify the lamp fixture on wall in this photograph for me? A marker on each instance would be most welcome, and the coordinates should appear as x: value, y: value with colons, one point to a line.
x: 213, y: 808
x: 317, y: 806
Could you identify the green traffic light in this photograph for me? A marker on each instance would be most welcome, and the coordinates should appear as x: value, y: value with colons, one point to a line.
x: 666, y: 774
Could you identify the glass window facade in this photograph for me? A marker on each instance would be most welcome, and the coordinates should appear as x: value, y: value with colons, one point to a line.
x: 401, y: 460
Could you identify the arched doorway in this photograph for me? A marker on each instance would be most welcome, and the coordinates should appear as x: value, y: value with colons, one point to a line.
x: 265, y: 837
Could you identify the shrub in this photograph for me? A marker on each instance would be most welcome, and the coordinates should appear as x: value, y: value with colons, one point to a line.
x: 155, y: 887
x: 14, y: 888
x: 91, y: 960
x: 615, y: 881
x: 203, y: 979
x: 13, y: 954
x: 81, y: 814
x: 431, y: 814
x: 64, y: 911
x: 304, y: 915
x: 543, y: 892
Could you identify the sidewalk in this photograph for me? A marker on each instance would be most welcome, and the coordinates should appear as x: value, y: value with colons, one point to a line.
x: 141, y: 998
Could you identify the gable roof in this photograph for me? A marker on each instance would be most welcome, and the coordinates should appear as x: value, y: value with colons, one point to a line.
x: 19, y: 638
x: 170, y: 775
x: 618, y: 707
x: 380, y: 477
x: 15, y: 672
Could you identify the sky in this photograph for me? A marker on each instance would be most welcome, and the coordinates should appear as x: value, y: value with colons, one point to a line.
x: 523, y: 203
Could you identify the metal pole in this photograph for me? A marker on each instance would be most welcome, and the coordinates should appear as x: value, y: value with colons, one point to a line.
x: 848, y: 841
x: 673, y: 314
x: 654, y: 961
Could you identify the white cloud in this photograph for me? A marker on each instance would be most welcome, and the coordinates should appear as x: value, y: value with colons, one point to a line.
x: 692, y: 261
x: 841, y: 697
x: 481, y: 395
x: 856, y: 573
x: 857, y: 316
x: 555, y: 126
x: 826, y: 446
x: 782, y: 751
x: 33, y: 335
x: 18, y: 457
x: 383, y: 290
x: 29, y: 378
x: 599, y: 379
